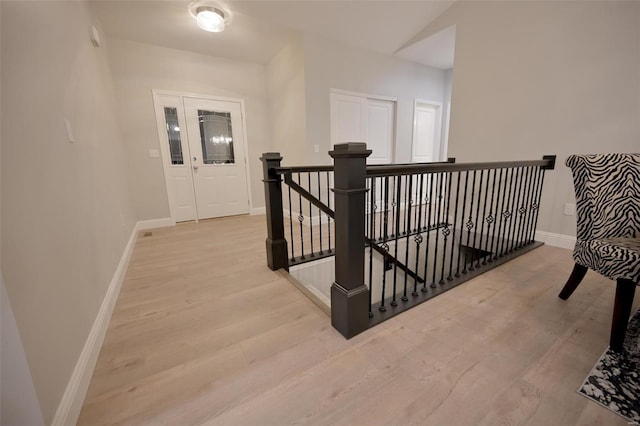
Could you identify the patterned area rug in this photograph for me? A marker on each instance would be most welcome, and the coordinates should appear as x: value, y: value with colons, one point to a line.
x: 614, y: 382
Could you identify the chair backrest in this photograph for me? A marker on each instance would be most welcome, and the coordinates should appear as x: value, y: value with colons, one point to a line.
x: 607, y: 195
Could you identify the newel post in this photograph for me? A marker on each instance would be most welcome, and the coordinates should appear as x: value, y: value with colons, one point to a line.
x: 276, y: 242
x: 349, y: 294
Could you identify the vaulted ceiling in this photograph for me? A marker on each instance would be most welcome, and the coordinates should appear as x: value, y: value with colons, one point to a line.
x: 261, y: 28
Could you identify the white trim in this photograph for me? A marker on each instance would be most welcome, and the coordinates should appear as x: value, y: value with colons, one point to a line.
x: 258, y: 210
x: 155, y: 223
x: 71, y: 403
x: 556, y: 240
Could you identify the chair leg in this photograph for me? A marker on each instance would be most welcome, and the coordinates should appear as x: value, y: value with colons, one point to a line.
x: 625, y: 290
x: 574, y: 280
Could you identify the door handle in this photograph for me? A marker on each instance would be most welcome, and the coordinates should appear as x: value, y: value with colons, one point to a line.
x: 195, y: 166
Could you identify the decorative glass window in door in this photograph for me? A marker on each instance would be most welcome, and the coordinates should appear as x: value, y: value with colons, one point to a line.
x: 216, y: 137
x: 173, y: 134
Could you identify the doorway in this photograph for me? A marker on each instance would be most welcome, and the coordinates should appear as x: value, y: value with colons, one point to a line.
x: 203, y: 146
x: 427, y: 141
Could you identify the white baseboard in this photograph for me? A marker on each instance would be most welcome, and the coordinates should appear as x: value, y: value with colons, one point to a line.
x: 258, y: 210
x: 155, y: 223
x: 556, y: 240
x: 69, y: 408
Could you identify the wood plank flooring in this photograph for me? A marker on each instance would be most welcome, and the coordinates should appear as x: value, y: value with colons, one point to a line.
x: 204, y: 333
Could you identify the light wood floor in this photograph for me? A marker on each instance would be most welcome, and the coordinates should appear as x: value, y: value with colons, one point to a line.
x: 204, y: 333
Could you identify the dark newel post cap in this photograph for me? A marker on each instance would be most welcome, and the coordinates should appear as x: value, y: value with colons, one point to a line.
x: 271, y: 156
x: 350, y: 149
x: 551, y: 158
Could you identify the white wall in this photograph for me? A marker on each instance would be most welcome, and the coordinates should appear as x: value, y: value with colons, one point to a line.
x: 534, y: 78
x: 328, y: 65
x: 138, y: 69
x: 287, y: 115
x: 66, y: 210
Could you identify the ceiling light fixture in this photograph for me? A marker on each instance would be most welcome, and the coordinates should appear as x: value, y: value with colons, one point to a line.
x: 209, y: 16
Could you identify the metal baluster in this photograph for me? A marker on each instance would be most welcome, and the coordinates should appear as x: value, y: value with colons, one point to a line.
x: 438, y: 218
x: 396, y: 206
x: 393, y: 205
x: 408, y: 230
x: 293, y: 257
x: 320, y: 213
x: 469, y: 223
x: 484, y: 212
x: 329, y: 217
x: 385, y: 246
x: 454, y: 226
x: 428, y: 231
x: 514, y: 218
x: 496, y: 225
x: 475, y: 232
x: 506, y: 214
x: 366, y: 206
x: 523, y: 208
x: 446, y: 230
x: 500, y: 214
x: 416, y: 198
x: 311, y: 217
x: 418, y: 237
x: 536, y: 210
x: 490, y: 219
x: 464, y: 207
x: 301, y: 219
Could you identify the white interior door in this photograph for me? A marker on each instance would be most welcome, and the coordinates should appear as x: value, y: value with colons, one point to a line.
x: 217, y: 149
x: 364, y: 119
x: 427, y: 122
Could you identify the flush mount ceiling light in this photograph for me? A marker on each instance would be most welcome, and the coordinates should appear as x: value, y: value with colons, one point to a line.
x: 209, y: 16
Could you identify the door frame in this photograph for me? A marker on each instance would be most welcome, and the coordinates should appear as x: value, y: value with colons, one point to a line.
x: 437, y: 126
x: 393, y: 99
x: 160, y: 126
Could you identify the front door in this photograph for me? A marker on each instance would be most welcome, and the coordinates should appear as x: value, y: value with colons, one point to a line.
x: 203, y: 150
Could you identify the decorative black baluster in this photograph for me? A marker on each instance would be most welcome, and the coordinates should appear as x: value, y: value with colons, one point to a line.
x: 320, y: 214
x: 523, y: 208
x: 310, y: 217
x: 464, y: 207
x: 454, y: 226
x: 446, y: 230
x: 394, y: 203
x: 384, y: 245
x: 301, y: 219
x: 293, y: 257
x: 439, y: 179
x: 500, y: 213
x: 536, y: 208
x: 506, y: 214
x: 475, y: 250
x: 470, y: 225
x: 490, y: 219
x: 329, y: 217
x: 496, y: 225
x: 428, y: 200
x: 396, y: 206
x: 514, y: 218
x: 484, y: 212
x: 418, y: 237
x: 408, y: 230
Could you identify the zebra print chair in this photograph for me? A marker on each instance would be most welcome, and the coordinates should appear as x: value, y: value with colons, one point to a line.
x: 607, y: 190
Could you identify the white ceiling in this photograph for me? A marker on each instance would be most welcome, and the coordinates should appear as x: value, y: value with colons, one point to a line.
x: 261, y: 28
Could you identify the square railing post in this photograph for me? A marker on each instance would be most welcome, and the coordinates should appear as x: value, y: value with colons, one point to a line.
x: 276, y: 243
x: 349, y: 294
